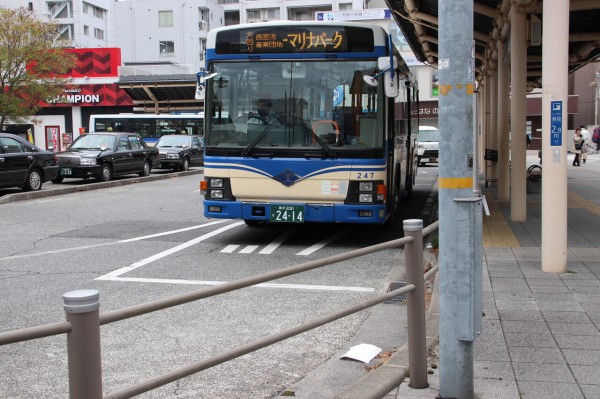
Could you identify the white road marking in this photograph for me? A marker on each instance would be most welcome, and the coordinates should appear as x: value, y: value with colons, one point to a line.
x: 263, y: 285
x: 168, y: 252
x: 249, y: 249
x: 229, y: 249
x: 322, y: 243
x: 57, y: 251
x: 277, y: 242
x: 172, y: 231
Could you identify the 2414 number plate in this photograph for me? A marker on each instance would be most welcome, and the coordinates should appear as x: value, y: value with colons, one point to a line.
x: 287, y: 213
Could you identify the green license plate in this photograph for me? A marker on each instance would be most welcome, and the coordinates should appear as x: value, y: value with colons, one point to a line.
x: 287, y: 213
x: 66, y: 171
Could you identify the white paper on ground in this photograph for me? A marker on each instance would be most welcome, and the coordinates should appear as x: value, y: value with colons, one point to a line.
x: 363, y: 352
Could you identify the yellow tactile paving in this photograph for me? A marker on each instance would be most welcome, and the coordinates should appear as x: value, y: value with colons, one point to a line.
x: 496, y: 231
x: 577, y: 201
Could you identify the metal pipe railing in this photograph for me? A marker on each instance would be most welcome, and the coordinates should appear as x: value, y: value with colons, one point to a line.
x: 83, y: 320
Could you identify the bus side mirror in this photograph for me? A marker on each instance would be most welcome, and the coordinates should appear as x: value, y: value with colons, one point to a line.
x: 390, y: 76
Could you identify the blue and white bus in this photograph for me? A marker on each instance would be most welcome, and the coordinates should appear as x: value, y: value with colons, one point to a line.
x: 338, y: 144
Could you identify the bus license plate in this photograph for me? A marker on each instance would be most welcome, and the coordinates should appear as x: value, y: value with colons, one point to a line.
x: 287, y: 213
x: 66, y: 171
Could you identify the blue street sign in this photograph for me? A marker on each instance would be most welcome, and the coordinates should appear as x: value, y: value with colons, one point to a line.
x: 556, y: 108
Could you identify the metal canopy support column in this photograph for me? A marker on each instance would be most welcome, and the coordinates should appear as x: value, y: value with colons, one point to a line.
x: 460, y: 210
x: 555, y: 137
x: 503, y: 144
x: 518, y: 117
x: 493, y: 132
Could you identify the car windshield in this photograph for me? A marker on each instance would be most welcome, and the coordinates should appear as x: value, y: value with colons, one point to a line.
x: 429, y: 135
x: 93, y: 142
x: 173, y: 141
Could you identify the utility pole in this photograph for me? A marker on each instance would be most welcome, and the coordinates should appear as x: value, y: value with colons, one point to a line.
x: 460, y: 206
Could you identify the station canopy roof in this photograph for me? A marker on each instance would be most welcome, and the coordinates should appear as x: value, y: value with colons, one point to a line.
x: 160, y: 88
x: 418, y: 20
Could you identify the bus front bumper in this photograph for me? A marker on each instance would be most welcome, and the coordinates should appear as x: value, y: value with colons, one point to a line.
x: 312, y: 213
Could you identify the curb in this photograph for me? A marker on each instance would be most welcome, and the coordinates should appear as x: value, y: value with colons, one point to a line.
x: 392, y: 373
x: 8, y: 198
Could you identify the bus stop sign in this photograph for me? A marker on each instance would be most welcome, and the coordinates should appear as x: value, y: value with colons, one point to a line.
x: 556, y: 123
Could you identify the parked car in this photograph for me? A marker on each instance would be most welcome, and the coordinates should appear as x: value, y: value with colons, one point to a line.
x: 104, y: 155
x: 24, y: 165
x: 180, y: 151
x: 428, y: 145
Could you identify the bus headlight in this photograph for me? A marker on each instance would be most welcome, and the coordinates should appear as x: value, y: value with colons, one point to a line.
x: 216, y: 194
x: 216, y: 183
x: 88, y: 162
x: 365, y: 186
x: 364, y: 198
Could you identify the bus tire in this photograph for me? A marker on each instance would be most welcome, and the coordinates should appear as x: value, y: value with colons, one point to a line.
x: 409, y: 187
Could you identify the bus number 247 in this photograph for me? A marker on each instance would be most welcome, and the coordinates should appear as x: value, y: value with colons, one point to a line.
x: 365, y: 175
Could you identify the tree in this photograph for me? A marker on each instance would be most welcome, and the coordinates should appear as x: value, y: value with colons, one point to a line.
x: 32, y: 64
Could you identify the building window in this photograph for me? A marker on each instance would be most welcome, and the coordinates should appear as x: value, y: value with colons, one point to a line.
x: 273, y: 13
x: 253, y: 14
x: 86, y: 30
x: 167, y: 48
x: 165, y: 18
x: 98, y: 33
x: 345, y: 6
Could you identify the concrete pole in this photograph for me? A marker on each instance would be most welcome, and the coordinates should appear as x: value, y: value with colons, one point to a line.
x: 503, y: 142
x: 493, y: 132
x: 457, y: 78
x: 555, y: 59
x: 83, y: 344
x: 518, y: 115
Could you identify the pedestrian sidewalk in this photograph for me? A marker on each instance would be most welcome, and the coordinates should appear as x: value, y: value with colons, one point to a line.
x: 541, y: 333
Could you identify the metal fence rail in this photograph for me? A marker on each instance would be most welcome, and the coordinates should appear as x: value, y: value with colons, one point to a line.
x: 84, y: 321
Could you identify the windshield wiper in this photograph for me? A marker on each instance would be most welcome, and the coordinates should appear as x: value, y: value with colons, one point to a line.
x: 315, y: 136
x: 261, y: 136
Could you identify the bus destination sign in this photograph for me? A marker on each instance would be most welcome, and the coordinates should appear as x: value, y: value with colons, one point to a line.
x: 294, y: 39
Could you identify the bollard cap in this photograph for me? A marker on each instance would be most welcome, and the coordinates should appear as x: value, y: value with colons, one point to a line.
x: 413, y: 225
x: 81, y: 301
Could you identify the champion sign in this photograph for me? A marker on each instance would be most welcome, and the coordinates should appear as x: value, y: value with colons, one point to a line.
x: 92, y: 95
x: 76, y: 99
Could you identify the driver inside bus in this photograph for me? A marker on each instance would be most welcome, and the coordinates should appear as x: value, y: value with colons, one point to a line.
x: 264, y: 112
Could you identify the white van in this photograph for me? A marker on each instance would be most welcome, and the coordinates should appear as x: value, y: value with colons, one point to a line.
x: 427, y: 146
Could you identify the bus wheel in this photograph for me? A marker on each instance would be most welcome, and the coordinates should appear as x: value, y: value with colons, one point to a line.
x: 252, y: 223
x: 409, y: 187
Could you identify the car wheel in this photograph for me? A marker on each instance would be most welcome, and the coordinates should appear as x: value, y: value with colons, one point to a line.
x: 57, y: 180
x: 186, y: 164
x: 106, y: 174
x: 33, y: 181
x: 146, y: 169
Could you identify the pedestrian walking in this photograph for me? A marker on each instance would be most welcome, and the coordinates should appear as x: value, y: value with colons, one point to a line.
x: 585, y: 135
x: 578, y: 144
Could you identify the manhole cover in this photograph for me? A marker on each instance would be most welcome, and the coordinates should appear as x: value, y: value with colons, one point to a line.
x: 399, y: 298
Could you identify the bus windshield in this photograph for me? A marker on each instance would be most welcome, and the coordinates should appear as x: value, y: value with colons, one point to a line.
x: 323, y: 105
